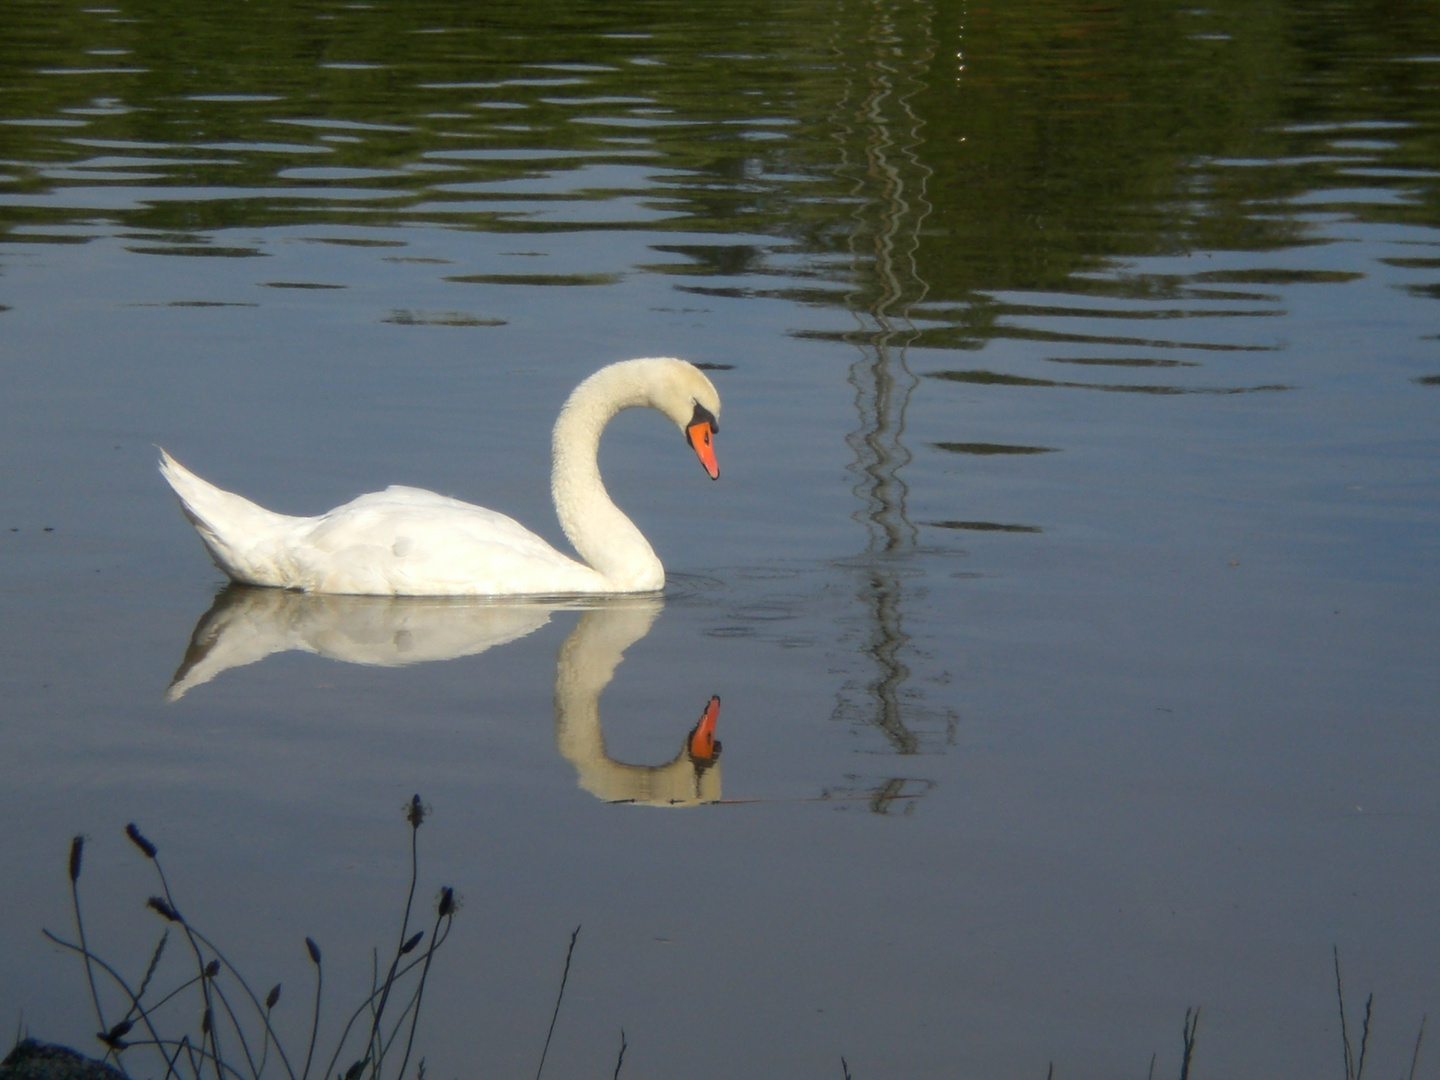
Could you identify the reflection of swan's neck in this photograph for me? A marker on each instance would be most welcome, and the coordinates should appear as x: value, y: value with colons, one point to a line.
x: 585, y: 666
x: 600, y: 532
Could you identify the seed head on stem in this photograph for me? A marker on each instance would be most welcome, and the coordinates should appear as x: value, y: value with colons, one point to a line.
x: 115, y: 1037
x: 133, y: 832
x: 77, y: 849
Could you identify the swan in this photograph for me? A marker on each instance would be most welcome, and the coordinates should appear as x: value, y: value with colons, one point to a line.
x: 405, y: 541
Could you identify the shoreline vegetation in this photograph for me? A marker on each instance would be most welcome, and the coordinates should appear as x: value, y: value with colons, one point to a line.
x: 237, y: 1041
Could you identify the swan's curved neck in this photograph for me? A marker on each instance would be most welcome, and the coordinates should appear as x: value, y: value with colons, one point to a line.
x: 600, y: 532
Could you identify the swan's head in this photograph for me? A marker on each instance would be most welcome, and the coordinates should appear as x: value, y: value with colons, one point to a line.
x: 676, y: 388
x: 682, y: 392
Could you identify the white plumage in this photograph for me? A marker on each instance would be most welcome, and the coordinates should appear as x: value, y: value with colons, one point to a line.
x: 406, y: 541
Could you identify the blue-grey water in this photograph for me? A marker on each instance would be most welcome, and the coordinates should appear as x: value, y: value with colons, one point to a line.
x: 1072, y: 585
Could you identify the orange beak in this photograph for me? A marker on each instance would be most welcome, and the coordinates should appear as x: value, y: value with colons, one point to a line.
x: 701, y: 437
x: 702, y: 744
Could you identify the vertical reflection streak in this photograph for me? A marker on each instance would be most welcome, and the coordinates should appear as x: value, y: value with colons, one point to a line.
x: 884, y: 242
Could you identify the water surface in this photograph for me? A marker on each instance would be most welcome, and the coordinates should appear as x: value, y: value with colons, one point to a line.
x: 1070, y: 588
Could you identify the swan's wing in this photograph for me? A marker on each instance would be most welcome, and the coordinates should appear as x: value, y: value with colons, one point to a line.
x: 397, y: 503
x: 409, y: 541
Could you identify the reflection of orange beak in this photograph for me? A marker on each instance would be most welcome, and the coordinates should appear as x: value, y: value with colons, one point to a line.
x: 702, y: 744
x: 701, y: 437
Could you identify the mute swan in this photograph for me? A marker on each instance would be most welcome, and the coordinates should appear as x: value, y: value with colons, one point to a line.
x: 404, y: 541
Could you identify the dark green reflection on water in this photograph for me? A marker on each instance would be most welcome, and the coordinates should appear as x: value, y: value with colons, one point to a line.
x: 1050, y: 138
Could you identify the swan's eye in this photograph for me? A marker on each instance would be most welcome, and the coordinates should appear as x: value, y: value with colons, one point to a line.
x: 702, y: 415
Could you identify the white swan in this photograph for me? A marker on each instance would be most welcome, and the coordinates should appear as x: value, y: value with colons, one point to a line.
x: 404, y: 541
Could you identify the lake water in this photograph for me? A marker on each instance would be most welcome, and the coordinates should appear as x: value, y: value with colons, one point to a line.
x: 1071, y: 588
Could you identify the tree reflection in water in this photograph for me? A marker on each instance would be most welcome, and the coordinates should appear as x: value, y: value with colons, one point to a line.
x: 879, y: 135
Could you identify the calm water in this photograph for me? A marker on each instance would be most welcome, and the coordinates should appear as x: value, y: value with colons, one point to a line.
x: 1070, y: 588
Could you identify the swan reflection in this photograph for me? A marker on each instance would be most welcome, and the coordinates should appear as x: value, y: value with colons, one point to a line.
x: 585, y: 666
x: 245, y: 624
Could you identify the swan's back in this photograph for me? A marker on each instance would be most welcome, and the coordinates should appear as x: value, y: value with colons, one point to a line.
x: 402, y: 541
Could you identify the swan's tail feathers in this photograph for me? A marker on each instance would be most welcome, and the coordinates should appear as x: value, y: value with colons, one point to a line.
x: 233, y: 528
